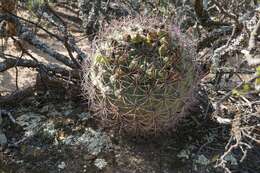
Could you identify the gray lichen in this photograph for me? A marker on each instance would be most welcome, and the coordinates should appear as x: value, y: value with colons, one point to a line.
x: 95, y: 141
x: 100, y: 163
x: 30, y: 122
x: 3, y: 139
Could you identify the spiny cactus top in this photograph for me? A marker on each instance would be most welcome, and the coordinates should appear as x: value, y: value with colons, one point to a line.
x: 139, y: 76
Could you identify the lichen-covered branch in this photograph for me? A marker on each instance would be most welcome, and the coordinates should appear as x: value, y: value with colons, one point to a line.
x: 28, y: 36
x: 253, y: 37
x: 251, y: 54
x: 67, y: 39
x: 203, y: 16
x: 9, y: 63
x: 89, y: 14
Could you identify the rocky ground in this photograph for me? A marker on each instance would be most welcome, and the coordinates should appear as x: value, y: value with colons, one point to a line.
x: 49, y: 133
x: 62, y: 136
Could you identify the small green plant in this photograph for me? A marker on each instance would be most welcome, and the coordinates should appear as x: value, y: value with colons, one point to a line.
x: 35, y: 4
x: 140, y: 76
x: 247, y: 87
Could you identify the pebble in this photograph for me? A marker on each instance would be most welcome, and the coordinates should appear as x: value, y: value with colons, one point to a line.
x: 62, y: 165
x: 3, y: 139
x: 100, y: 163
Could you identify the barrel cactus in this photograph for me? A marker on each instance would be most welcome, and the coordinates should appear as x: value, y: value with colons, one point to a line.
x: 140, y: 76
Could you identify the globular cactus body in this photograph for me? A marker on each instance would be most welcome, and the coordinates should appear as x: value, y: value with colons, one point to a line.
x: 139, y: 76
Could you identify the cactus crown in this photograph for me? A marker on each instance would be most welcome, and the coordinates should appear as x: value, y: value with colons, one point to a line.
x: 139, y: 76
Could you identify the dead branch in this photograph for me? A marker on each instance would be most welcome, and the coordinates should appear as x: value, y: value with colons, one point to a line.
x: 26, y: 35
x: 67, y: 39
x: 226, y: 96
x: 213, y: 36
x: 63, y: 87
x: 51, y: 68
x: 203, y: 16
x: 226, y: 13
x: 16, y: 97
x: 10, y: 63
x: 253, y: 37
x: 251, y: 54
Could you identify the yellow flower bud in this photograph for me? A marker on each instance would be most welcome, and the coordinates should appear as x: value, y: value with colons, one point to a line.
x: 137, y: 39
x: 164, y: 40
x: 161, y: 74
x: 163, y: 49
x: 100, y: 59
x: 151, y: 37
x: 151, y: 72
x: 246, y: 88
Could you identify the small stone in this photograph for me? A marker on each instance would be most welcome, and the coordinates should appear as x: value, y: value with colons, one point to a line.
x: 54, y: 113
x: 100, y: 163
x: 67, y: 112
x: 95, y: 141
x: 30, y: 120
x: 62, y: 165
x: 3, y: 139
x: 202, y: 160
x: 230, y: 158
x: 49, y: 128
x: 84, y: 116
x: 184, y: 154
x: 46, y: 108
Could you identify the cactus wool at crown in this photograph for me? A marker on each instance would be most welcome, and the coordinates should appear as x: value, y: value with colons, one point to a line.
x: 139, y: 76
